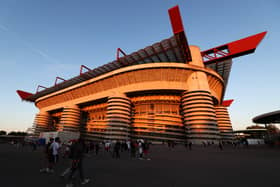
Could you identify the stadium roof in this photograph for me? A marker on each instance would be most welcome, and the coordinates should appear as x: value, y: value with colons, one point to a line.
x: 270, y: 117
x: 173, y: 49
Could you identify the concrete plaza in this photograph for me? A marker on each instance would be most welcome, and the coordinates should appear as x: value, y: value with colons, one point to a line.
x: 178, y: 167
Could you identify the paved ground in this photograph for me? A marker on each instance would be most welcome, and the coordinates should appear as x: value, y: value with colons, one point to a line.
x: 258, y: 166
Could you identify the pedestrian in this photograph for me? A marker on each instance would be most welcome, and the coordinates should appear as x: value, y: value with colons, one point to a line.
x: 55, y: 148
x: 190, y: 145
x: 47, y: 157
x: 68, y: 156
x: 77, y: 155
x: 34, y: 145
x: 133, y: 149
x: 128, y: 145
x: 96, y: 148
x: 107, y: 146
x: 220, y: 145
x: 140, y: 149
x: 117, y: 148
x: 146, y: 147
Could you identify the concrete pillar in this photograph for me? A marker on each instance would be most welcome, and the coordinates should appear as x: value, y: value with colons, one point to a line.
x: 119, y: 117
x: 70, y: 119
x: 224, y: 123
x: 42, y: 122
x: 197, y: 104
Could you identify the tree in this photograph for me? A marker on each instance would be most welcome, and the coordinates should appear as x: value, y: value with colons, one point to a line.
x: 3, y: 132
x: 272, y: 129
x: 13, y: 133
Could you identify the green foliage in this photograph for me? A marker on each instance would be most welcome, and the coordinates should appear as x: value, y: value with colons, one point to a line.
x: 17, y: 133
x: 3, y: 132
x: 272, y: 129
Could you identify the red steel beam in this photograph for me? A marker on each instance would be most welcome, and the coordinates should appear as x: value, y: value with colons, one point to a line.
x: 176, y: 19
x: 83, y: 67
x: 23, y: 95
x: 179, y: 31
x: 39, y: 86
x: 234, y: 49
x: 118, y: 53
x: 58, y: 78
x: 227, y: 103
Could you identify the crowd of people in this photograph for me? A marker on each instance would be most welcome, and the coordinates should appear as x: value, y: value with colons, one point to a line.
x: 75, y: 150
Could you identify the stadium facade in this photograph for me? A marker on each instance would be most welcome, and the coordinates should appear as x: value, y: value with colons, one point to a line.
x: 168, y: 91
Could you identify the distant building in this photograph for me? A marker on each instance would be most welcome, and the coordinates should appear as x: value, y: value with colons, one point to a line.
x: 168, y: 91
x: 251, y: 133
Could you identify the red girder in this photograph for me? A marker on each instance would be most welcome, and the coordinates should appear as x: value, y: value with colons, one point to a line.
x: 179, y: 31
x: 58, y: 78
x: 23, y: 95
x: 227, y: 103
x: 118, y: 53
x: 83, y: 67
x: 234, y: 49
x: 39, y: 86
x: 176, y: 19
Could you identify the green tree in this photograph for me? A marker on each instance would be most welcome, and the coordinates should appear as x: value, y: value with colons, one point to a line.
x: 272, y: 129
x: 3, y: 132
x: 17, y: 133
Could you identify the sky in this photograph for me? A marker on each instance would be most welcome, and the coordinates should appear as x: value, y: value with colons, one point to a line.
x: 42, y: 39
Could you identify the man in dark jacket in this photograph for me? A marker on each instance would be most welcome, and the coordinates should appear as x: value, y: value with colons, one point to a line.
x: 76, y: 154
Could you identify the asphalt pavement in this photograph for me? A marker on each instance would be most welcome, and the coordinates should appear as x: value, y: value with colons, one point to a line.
x: 177, y: 167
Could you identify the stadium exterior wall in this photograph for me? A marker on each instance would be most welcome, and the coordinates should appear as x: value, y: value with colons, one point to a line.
x: 155, y: 101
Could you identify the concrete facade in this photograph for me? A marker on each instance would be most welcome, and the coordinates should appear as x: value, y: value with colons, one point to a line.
x: 162, y: 101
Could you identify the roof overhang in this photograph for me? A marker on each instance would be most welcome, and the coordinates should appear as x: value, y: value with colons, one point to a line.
x: 270, y: 117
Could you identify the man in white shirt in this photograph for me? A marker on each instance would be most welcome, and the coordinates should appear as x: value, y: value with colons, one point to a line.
x: 54, y: 148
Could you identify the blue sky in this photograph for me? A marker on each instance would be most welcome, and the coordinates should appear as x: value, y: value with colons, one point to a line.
x: 42, y: 39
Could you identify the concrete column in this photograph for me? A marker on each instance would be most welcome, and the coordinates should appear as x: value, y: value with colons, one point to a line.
x: 42, y: 122
x: 119, y: 117
x: 70, y: 119
x: 224, y: 123
x: 197, y: 104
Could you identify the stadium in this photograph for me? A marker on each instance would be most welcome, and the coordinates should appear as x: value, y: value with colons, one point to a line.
x: 168, y: 91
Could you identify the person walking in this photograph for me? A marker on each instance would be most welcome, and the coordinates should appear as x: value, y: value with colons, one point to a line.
x: 54, y: 147
x: 140, y: 149
x: 96, y: 148
x: 47, y: 157
x: 117, y: 147
x: 77, y: 154
x: 133, y: 149
x: 190, y: 145
x: 220, y: 145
